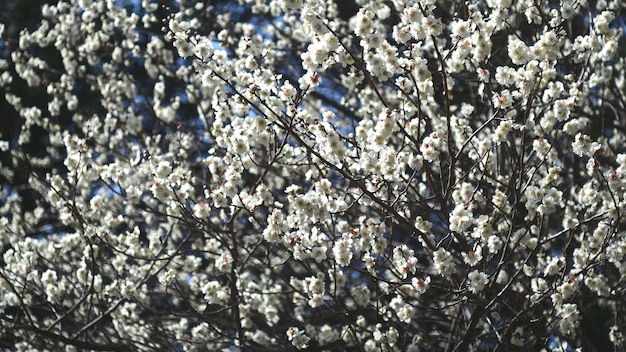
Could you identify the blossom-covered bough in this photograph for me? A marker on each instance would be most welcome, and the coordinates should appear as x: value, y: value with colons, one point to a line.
x: 419, y: 175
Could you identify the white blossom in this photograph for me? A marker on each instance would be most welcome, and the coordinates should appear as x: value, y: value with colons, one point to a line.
x: 320, y: 174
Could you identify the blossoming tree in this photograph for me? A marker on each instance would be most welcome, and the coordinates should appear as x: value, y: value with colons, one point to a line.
x: 287, y: 174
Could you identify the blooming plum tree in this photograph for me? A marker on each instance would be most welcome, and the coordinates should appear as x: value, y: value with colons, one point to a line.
x: 260, y: 175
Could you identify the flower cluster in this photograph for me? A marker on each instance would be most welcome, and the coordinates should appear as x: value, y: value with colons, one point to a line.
x: 301, y: 174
